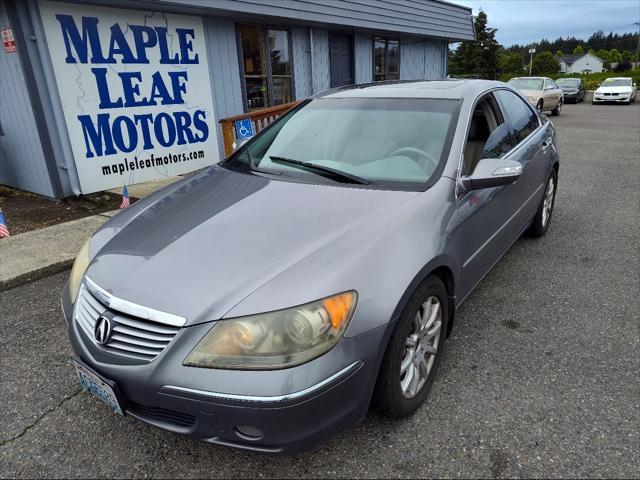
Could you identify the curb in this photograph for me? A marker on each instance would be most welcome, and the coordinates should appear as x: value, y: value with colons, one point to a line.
x: 39, y: 253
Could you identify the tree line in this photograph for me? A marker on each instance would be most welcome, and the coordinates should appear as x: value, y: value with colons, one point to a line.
x: 484, y: 57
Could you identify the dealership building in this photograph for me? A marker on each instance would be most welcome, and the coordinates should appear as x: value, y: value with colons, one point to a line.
x: 97, y: 94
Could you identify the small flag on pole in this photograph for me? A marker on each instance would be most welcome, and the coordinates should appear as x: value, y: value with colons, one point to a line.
x: 4, y: 231
x: 125, y: 197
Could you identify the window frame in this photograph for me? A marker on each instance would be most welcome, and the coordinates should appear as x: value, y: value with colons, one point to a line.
x: 507, y: 119
x: 386, y: 40
x: 268, y: 70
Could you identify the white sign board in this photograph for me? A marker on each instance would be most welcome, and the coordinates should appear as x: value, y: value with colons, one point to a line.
x: 135, y: 90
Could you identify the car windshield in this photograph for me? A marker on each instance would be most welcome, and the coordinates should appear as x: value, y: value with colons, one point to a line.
x: 568, y: 82
x: 617, y: 82
x: 526, y: 83
x: 379, y: 141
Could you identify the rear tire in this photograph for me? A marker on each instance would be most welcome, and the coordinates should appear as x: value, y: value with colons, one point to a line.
x: 556, y: 111
x: 542, y: 218
x: 409, y: 351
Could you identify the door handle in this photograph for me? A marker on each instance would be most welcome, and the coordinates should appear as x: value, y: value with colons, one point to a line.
x: 545, y: 145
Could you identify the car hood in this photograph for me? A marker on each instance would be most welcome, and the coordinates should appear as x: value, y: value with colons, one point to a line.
x: 201, y: 248
x: 620, y: 89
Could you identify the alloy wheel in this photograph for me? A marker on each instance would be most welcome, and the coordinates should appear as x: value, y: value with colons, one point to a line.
x: 547, y: 205
x: 421, y: 347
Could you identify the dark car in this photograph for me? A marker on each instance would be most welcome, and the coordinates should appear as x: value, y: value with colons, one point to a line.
x: 573, y: 89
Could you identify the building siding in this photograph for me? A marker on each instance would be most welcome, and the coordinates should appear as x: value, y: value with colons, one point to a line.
x: 22, y: 162
x: 417, y: 17
x: 363, y: 57
x: 222, y: 52
x: 301, y: 56
x: 320, y: 73
x: 422, y: 59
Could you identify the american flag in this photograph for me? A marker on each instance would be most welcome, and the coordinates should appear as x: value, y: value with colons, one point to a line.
x: 125, y: 197
x: 4, y: 231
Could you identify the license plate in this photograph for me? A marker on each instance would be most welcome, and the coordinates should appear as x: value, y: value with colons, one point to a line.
x: 92, y: 383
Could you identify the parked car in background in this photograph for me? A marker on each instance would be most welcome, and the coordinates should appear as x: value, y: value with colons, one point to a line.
x: 617, y: 90
x: 573, y: 89
x: 315, y: 270
x: 542, y: 92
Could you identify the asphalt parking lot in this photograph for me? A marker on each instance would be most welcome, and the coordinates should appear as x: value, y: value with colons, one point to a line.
x: 540, y: 379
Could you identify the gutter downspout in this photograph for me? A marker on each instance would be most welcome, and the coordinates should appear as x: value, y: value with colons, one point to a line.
x: 56, y: 107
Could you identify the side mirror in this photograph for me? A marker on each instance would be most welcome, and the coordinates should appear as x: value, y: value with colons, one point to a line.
x: 239, y: 143
x: 492, y: 172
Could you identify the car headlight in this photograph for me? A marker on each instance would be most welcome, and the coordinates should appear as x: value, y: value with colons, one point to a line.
x: 273, y: 340
x: 77, y: 271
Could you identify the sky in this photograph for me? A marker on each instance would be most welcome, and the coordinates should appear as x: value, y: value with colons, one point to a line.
x: 527, y: 21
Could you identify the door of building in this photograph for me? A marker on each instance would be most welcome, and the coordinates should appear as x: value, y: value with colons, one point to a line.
x: 341, y: 58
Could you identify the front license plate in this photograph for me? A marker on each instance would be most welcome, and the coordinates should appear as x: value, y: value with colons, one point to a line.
x: 93, y: 384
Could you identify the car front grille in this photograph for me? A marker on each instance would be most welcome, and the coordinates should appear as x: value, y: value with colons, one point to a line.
x: 129, y: 336
x: 161, y: 415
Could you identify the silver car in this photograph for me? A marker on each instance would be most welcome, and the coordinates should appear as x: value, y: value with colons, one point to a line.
x: 265, y: 303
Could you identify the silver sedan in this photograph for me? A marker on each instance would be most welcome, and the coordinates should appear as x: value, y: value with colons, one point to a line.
x: 265, y: 303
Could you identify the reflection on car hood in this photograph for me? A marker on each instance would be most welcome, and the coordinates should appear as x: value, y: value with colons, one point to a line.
x: 203, y: 247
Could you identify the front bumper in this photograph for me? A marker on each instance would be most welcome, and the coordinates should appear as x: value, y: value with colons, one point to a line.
x: 571, y: 96
x: 611, y: 98
x: 292, y: 409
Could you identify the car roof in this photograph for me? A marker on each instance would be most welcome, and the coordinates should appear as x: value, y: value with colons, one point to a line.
x: 447, y: 89
x: 531, y: 78
x: 618, y: 78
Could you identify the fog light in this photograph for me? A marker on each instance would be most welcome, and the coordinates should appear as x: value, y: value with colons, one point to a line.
x: 249, y: 433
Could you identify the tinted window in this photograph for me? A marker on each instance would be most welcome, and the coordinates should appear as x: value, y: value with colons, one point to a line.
x: 498, y: 143
x: 523, y: 120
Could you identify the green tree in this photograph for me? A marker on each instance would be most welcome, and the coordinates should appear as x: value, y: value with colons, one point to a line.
x: 615, y: 55
x: 545, y: 64
x: 559, y: 54
x: 579, y: 50
x: 509, y: 63
x: 627, y: 56
x: 603, y: 55
x: 479, y: 57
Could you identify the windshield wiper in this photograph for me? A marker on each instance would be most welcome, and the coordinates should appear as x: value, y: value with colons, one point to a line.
x: 322, y: 170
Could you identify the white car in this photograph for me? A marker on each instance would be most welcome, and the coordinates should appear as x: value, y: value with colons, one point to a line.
x: 616, y: 89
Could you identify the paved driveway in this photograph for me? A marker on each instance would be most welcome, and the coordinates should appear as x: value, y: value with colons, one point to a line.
x: 540, y: 379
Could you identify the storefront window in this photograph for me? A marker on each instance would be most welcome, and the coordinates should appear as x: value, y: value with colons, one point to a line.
x: 267, y: 66
x: 386, y: 65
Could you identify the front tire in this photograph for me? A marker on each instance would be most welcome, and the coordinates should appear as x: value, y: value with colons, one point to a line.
x: 540, y: 105
x: 414, y: 352
x: 542, y: 218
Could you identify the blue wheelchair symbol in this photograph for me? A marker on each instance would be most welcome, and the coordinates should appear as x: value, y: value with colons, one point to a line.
x: 244, y: 129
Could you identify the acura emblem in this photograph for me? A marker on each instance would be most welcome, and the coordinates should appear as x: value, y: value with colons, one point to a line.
x: 102, y: 331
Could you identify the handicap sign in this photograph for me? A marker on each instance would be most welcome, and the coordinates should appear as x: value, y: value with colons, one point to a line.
x: 244, y: 129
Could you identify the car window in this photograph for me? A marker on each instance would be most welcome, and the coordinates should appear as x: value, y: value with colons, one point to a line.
x: 617, y: 82
x: 390, y: 142
x: 523, y: 119
x: 488, y: 135
x: 526, y: 83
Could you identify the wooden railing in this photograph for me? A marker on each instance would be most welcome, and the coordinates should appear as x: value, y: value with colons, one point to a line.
x: 259, y: 118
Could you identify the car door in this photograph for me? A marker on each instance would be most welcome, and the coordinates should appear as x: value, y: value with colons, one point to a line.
x: 532, y: 149
x: 550, y: 94
x: 482, y: 232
